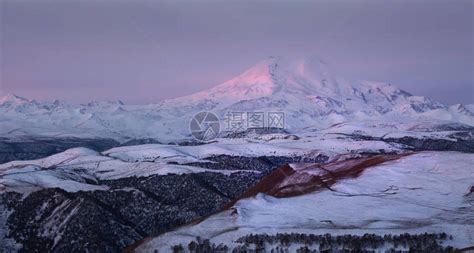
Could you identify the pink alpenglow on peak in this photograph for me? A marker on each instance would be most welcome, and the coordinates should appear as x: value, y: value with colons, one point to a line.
x: 269, y: 77
x: 255, y: 82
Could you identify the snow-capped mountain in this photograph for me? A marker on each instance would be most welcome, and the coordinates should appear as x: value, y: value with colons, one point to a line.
x: 307, y: 91
x: 307, y: 79
x: 347, y: 153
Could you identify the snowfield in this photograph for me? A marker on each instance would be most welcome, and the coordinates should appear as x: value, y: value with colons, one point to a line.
x: 424, y: 192
x: 78, y: 165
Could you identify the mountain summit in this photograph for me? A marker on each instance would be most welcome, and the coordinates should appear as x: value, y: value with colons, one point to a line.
x: 271, y: 76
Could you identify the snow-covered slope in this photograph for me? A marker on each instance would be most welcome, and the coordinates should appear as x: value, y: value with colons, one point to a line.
x: 307, y: 91
x: 80, y: 169
x: 424, y: 192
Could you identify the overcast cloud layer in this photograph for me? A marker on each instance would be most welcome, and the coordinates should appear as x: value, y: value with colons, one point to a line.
x: 146, y: 51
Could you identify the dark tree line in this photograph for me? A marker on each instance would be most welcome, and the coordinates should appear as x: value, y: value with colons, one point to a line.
x: 281, y: 242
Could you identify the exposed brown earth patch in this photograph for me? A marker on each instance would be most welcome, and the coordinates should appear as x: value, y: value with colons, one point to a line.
x: 299, y: 179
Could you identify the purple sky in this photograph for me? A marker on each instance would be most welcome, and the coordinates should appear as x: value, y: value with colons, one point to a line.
x: 146, y: 51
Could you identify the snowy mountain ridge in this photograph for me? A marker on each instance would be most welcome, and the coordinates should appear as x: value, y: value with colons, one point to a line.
x: 307, y: 91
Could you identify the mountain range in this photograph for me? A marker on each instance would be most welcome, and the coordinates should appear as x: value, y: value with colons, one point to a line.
x: 307, y: 91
